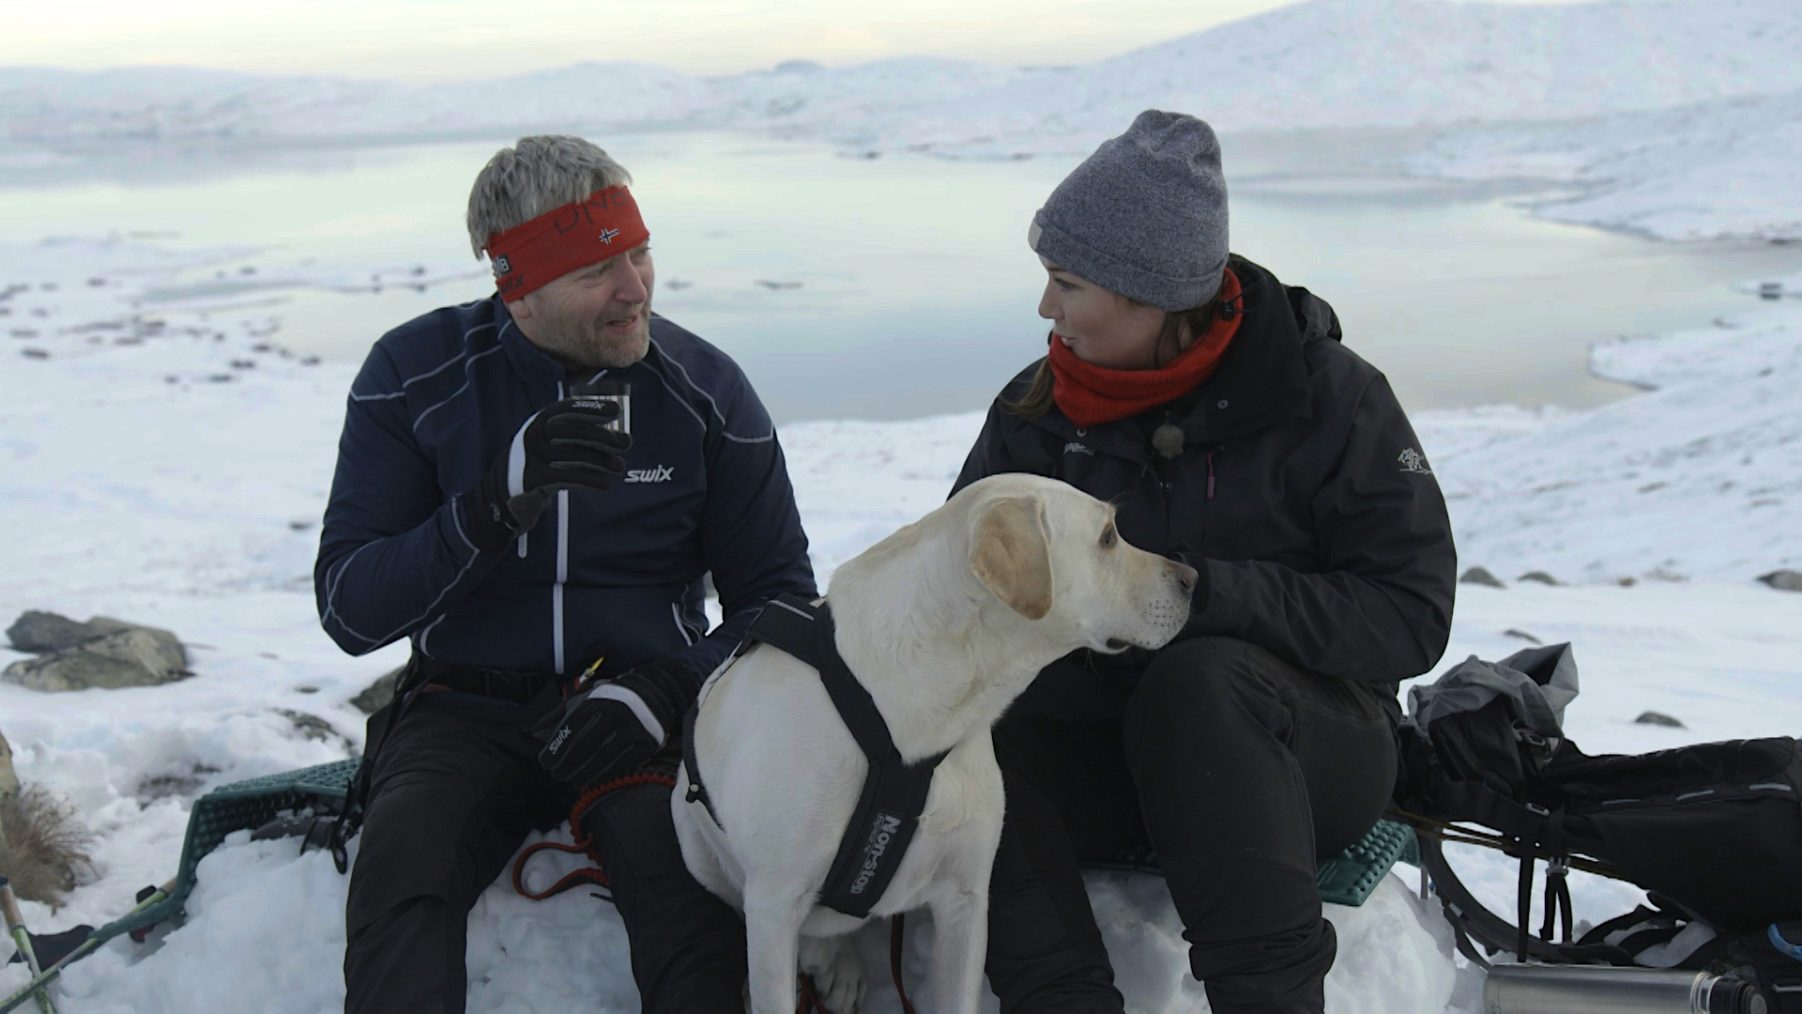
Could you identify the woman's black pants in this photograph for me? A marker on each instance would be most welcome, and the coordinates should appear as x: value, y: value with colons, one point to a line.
x: 1238, y: 769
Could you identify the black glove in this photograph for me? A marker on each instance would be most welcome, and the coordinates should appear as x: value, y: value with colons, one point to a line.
x: 566, y: 445
x: 618, y: 724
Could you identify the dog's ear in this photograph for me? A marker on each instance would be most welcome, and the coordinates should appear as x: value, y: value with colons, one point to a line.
x: 1010, y: 553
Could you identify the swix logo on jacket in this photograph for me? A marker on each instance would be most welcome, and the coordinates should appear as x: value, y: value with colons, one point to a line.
x: 662, y: 473
x: 614, y: 574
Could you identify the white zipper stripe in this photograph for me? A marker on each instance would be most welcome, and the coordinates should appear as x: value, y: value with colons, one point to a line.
x: 562, y: 565
x: 557, y: 629
x: 562, y: 576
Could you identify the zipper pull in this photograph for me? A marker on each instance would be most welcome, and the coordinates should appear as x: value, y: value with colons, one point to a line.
x: 1210, y: 473
x: 588, y: 677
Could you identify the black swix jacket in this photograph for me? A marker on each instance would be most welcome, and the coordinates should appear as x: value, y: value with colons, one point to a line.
x: 614, y: 575
x: 1301, y: 489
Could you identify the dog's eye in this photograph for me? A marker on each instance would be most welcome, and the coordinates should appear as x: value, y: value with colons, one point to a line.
x: 1109, y: 537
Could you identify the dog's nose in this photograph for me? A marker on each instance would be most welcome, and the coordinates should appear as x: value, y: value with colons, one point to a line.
x: 1186, y: 576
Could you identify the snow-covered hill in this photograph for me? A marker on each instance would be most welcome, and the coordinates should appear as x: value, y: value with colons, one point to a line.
x: 1323, y: 63
x: 1635, y: 105
x: 1710, y: 170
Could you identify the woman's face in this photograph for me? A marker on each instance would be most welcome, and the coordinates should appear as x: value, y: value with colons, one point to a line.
x: 1100, y: 327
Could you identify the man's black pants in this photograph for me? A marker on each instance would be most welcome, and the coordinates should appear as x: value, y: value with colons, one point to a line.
x: 1238, y: 769
x: 455, y: 789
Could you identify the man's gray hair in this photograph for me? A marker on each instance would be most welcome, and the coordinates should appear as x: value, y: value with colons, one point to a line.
x: 537, y: 174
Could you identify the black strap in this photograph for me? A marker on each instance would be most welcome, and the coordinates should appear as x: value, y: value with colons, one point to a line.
x: 697, y: 793
x: 894, y: 792
x: 515, y: 685
x: 1557, y: 885
x: 1470, y: 919
x: 807, y: 632
x: 375, y: 733
x: 1480, y: 803
x: 1524, y: 907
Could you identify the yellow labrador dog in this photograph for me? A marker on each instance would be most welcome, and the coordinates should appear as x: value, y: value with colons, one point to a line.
x: 944, y: 623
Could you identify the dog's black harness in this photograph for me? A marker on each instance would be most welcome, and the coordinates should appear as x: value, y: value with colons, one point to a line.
x: 894, y: 792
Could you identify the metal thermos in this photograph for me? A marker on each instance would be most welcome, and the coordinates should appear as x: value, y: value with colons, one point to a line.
x: 1603, y: 989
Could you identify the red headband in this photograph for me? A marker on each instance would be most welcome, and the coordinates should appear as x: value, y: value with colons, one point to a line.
x: 532, y: 255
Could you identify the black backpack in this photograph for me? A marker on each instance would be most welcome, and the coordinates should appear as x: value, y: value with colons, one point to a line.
x: 1712, y: 832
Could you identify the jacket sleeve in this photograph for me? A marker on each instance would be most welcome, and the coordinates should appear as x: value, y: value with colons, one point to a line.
x: 394, y: 550
x: 750, y: 527
x: 1380, y: 608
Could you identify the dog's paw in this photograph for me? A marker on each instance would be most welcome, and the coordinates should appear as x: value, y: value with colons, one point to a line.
x: 837, y: 973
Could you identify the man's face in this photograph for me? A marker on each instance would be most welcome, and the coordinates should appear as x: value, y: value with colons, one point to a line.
x: 597, y: 316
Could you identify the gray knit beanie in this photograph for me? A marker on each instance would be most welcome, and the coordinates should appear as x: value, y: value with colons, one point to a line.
x: 1145, y: 216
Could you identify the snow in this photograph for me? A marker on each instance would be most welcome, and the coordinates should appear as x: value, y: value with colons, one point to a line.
x: 170, y: 469
x: 163, y: 460
x: 1713, y: 170
x: 1587, y: 497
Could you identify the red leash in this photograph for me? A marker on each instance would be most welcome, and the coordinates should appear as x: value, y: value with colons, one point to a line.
x: 809, y: 1000
x: 581, y: 845
x: 897, y: 937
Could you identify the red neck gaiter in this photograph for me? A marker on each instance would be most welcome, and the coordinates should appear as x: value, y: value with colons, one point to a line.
x: 1091, y: 395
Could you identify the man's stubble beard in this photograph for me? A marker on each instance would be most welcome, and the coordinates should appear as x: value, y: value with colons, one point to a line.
x: 594, y: 350
x: 623, y: 354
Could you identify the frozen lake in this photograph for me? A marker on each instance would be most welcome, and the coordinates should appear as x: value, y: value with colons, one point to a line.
x: 899, y: 287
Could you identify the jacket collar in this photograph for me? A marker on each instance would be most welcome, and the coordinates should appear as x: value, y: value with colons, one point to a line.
x: 529, y: 360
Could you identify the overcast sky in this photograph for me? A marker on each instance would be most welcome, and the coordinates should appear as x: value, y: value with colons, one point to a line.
x: 434, y: 40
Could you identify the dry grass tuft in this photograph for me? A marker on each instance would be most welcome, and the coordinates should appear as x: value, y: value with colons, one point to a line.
x: 43, y: 847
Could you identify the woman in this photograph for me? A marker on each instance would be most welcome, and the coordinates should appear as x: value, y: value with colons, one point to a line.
x: 1218, y: 410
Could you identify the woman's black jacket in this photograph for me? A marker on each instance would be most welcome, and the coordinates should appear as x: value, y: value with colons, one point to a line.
x: 1301, y: 491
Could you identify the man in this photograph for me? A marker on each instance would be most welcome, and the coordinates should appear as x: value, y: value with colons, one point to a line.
x: 520, y: 537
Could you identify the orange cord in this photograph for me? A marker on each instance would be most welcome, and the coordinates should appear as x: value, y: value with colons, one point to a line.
x: 582, y: 843
x: 809, y: 1000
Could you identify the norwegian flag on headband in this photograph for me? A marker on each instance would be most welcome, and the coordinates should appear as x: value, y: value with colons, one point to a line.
x: 529, y: 256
